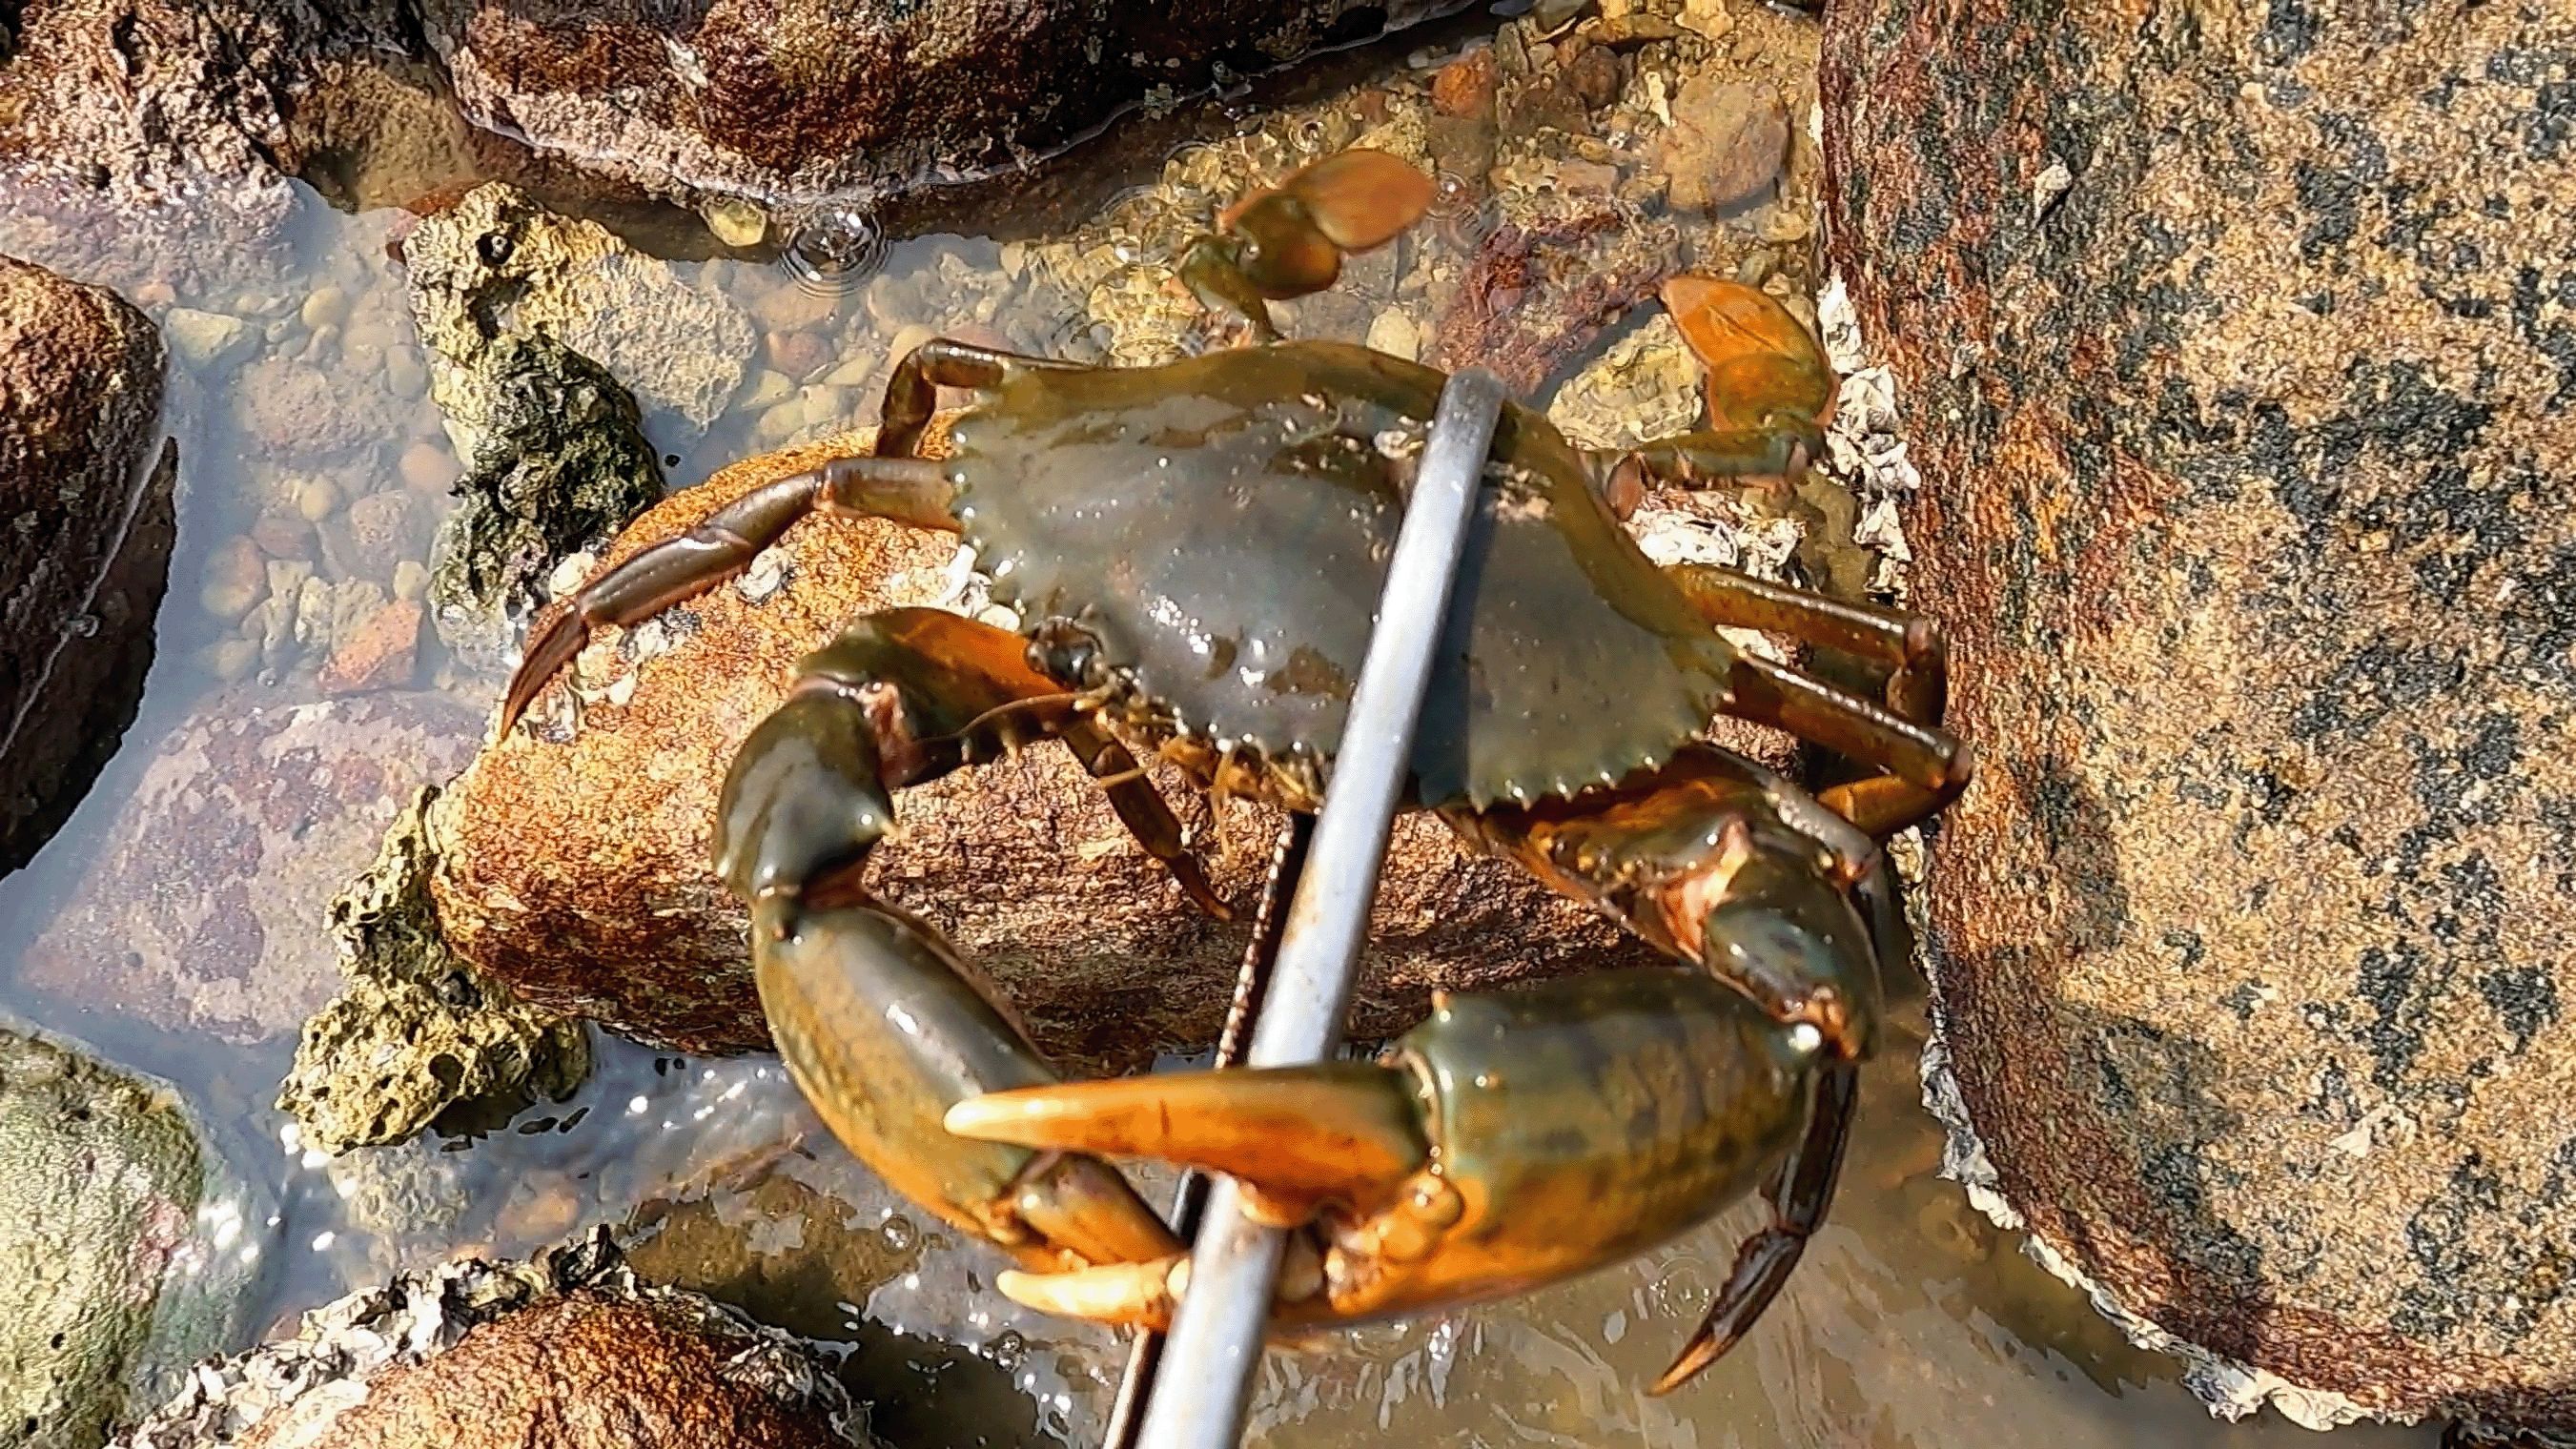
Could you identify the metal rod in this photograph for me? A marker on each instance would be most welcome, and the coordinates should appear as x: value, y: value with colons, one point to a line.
x: 1189, y: 1201
x: 1217, y: 1333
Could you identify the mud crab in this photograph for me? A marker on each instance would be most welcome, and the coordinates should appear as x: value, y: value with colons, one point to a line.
x: 1195, y: 550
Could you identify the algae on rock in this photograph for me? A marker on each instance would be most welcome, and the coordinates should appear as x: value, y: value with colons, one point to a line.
x: 552, y: 345
x: 560, y: 465
x: 122, y: 1248
x: 416, y: 1030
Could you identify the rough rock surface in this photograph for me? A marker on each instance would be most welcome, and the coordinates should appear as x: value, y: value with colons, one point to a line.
x: 85, y: 556
x: 558, y: 462
x: 204, y: 909
x: 121, y: 1241
x: 567, y: 1351
x: 576, y: 870
x: 1558, y: 269
x: 497, y: 264
x: 415, y: 1031
x: 2238, y: 344
x: 803, y: 100
x: 144, y: 127
x: 167, y: 99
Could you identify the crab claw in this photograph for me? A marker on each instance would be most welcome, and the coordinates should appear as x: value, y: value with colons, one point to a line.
x: 1761, y: 360
x: 1289, y: 241
x: 883, y: 1026
x: 1298, y: 1137
x: 1355, y: 199
x: 1510, y: 1141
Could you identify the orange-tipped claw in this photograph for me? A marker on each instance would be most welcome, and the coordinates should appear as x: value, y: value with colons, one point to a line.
x: 1358, y: 198
x: 1348, y: 1133
x: 1513, y: 1140
x: 1289, y: 241
x: 1760, y: 359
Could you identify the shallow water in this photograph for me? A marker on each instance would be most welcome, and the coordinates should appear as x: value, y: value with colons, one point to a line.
x: 1912, y: 1321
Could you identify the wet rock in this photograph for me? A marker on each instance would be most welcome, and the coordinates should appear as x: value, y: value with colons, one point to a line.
x: 1543, y: 285
x: 806, y: 102
x: 203, y: 909
x: 294, y: 410
x: 1727, y: 144
x: 414, y: 1030
x: 380, y: 652
x: 125, y: 1243
x: 208, y: 340
x: 1644, y: 386
x: 577, y: 870
x: 1464, y: 88
x: 377, y: 533
x: 498, y: 266
x: 568, y: 1351
x: 2238, y: 370
x: 1595, y: 76
x: 142, y: 138
x: 86, y: 557
x: 555, y: 462
x: 1545, y: 100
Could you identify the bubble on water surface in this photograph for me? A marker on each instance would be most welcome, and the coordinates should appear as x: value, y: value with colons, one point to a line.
x: 832, y: 249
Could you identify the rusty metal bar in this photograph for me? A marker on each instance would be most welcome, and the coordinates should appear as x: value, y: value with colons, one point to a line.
x: 1189, y: 1201
x: 1217, y: 1333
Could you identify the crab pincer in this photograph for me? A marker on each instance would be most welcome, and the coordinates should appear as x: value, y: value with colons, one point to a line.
x: 882, y: 1022
x: 1288, y: 241
x: 1516, y: 1139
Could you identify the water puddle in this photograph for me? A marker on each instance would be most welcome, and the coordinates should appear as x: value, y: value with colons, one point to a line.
x: 315, y: 472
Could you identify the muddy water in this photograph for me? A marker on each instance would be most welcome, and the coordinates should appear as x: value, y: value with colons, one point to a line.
x: 309, y: 446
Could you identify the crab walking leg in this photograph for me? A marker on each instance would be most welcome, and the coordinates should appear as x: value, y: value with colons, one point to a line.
x: 1930, y: 766
x: 1720, y: 862
x: 1779, y: 446
x: 882, y: 1023
x: 912, y: 393
x: 721, y: 546
x: 1514, y: 1139
x: 1917, y: 691
x: 1143, y: 810
x: 1798, y: 1194
x: 1770, y: 389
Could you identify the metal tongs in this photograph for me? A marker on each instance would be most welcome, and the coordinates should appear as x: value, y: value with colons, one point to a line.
x: 1191, y: 1392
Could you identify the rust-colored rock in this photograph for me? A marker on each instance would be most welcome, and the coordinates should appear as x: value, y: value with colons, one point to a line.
x: 808, y: 100
x: 2238, y: 345
x: 577, y: 871
x: 383, y: 652
x: 578, y: 1372
x: 566, y: 1352
x: 87, y: 497
x: 1464, y: 88
x: 1548, y: 280
x: 204, y: 908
